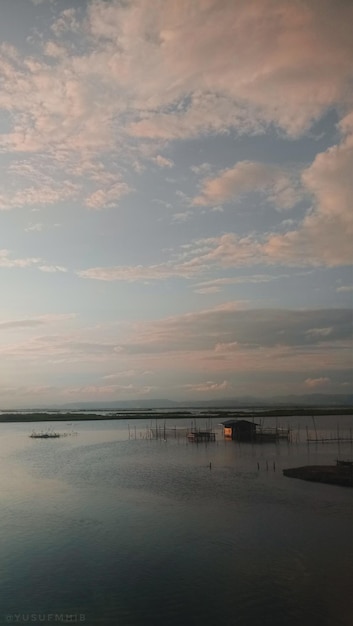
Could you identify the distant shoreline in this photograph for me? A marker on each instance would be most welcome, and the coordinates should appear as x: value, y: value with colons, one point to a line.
x: 55, y: 416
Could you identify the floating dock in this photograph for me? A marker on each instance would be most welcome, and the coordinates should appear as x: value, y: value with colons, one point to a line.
x: 50, y: 434
x: 45, y: 435
x: 339, y: 474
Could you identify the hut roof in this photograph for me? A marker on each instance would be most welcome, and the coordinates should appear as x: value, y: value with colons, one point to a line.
x: 242, y: 423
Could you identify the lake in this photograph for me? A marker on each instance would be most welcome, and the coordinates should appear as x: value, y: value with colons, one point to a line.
x: 108, y: 526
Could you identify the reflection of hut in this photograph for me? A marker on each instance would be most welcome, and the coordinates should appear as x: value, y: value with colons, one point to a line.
x: 241, y: 430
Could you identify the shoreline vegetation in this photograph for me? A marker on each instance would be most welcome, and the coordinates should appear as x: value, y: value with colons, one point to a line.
x: 160, y: 414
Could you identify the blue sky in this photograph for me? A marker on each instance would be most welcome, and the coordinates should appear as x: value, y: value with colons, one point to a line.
x: 175, y: 199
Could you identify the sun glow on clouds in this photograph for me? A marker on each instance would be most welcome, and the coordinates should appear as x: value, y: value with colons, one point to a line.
x: 194, y: 147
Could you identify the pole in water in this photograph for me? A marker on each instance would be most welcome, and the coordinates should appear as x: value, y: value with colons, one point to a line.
x: 210, y: 465
x: 258, y: 465
x: 267, y: 465
x: 274, y: 466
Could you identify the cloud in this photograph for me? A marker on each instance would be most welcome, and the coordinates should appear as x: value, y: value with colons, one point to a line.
x: 246, y: 177
x: 107, y: 390
x: 28, y: 323
x: 67, y: 22
x: 51, y: 269
x: 131, y: 373
x: 215, y: 285
x: 313, y: 383
x: 203, y: 168
x: 52, y: 49
x: 344, y: 288
x: 122, y: 374
x: 163, y: 161
x: 226, y: 347
x: 324, y: 237
x: 133, y: 273
x: 207, y: 386
x: 207, y: 290
x: 233, y: 324
x: 34, y: 390
x: 230, y: 342
x: 38, y: 195
x: 113, y: 72
x: 38, y: 321
x: 268, y: 61
x: 319, y: 332
x: 107, y: 198
x: 182, y: 217
x: 64, y: 348
x: 148, y: 70
x: 7, y: 262
x: 35, y: 228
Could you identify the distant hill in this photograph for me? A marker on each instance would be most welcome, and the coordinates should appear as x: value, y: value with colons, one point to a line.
x: 314, y: 399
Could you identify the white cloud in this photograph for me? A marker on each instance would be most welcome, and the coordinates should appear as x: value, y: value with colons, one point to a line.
x: 7, y: 262
x: 163, y: 161
x: 226, y: 347
x: 183, y: 216
x: 344, y: 288
x: 51, y: 269
x: 35, y: 228
x: 313, y: 383
x: 207, y: 290
x: 204, y: 168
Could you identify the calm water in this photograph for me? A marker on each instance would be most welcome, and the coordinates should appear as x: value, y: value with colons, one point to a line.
x: 138, y: 532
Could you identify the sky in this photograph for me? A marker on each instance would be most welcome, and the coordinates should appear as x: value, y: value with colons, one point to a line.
x: 176, y: 184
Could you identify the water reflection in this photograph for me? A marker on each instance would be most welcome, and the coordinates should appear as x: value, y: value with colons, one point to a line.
x: 138, y: 531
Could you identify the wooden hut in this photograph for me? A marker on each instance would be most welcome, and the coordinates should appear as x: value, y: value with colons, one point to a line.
x: 240, y: 430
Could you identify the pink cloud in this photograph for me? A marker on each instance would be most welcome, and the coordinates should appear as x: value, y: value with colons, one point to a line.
x: 150, y: 56
x: 39, y: 195
x: 108, y: 197
x: 180, y: 70
x: 245, y: 177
